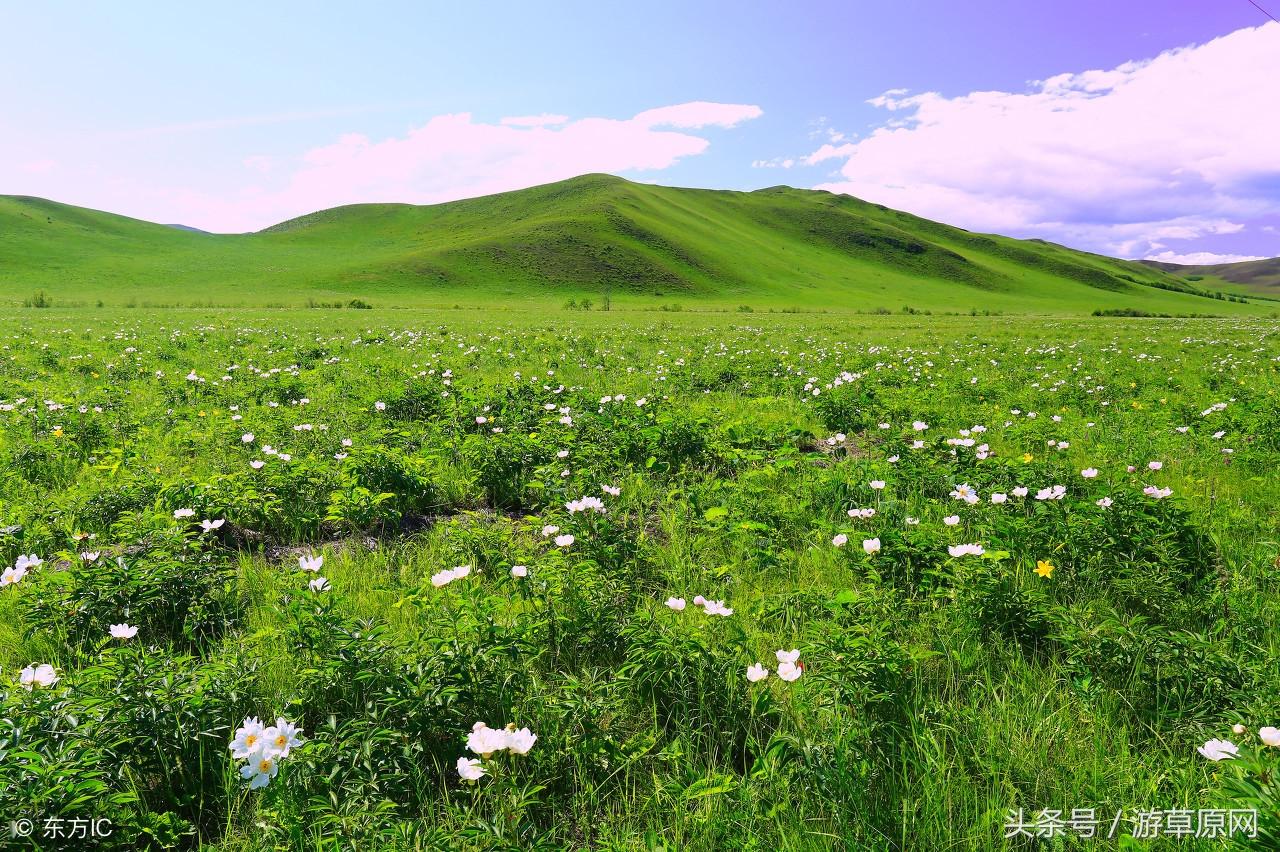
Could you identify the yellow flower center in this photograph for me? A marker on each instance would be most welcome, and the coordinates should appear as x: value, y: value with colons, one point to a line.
x: 264, y: 767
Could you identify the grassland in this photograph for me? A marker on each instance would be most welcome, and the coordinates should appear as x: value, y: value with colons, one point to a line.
x: 595, y: 237
x: 747, y: 460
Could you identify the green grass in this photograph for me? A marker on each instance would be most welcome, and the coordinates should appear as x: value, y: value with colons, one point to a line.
x: 937, y: 694
x: 645, y: 246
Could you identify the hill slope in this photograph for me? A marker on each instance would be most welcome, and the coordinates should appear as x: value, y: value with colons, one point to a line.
x: 777, y: 247
x: 1256, y: 276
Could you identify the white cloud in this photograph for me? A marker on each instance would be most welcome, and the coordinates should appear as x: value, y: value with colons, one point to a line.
x: 698, y: 114
x: 1170, y: 148
x: 775, y: 163
x: 830, y: 152
x: 1201, y: 258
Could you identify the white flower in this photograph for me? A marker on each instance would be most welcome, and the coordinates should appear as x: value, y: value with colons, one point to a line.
x: 519, y: 571
x: 1105, y: 502
x: 1089, y: 472
x: 716, y: 608
x: 919, y: 425
x: 676, y: 604
x: 787, y: 656
x: 470, y: 770
x: 1154, y: 465
x: 756, y: 673
x: 257, y: 464
x: 611, y: 490
x: 840, y: 540
x: 319, y: 584
x: 871, y: 545
x: 550, y: 530
x: 1157, y: 493
x: 484, y: 740
x: 280, y: 738
x: 877, y: 484
x: 90, y: 555
x: 1270, y: 736
x: 999, y: 498
x: 380, y: 405
x: 1020, y: 491
x: 38, y: 675
x: 957, y: 550
x: 210, y: 526
x: 179, y: 514
x: 123, y: 631
x: 789, y: 672
x: 594, y: 504
x: 951, y: 520
x: 444, y: 578
x: 248, y: 740
x: 1216, y: 750
x: 564, y: 540
x: 246, y: 438
x: 911, y: 522
x: 1053, y: 492
x: 259, y: 771
x: 310, y: 563
x: 11, y: 576
x: 520, y: 741
x: 699, y: 601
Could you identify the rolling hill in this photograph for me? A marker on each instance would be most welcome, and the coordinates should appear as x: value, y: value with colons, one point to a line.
x: 645, y: 245
x: 1256, y: 276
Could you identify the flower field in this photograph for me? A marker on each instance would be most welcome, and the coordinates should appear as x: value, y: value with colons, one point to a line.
x: 404, y: 580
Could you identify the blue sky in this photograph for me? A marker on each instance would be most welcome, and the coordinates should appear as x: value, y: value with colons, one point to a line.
x: 235, y: 116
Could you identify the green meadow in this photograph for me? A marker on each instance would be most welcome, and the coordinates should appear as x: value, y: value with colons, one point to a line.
x: 638, y: 580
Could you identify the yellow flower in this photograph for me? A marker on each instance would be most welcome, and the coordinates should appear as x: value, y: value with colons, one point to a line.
x: 1044, y: 568
x: 1026, y: 457
x: 57, y: 431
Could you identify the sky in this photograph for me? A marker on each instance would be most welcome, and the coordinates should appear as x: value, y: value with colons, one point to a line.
x: 1142, y: 128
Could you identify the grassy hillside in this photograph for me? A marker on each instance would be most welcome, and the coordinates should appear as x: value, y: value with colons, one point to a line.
x: 645, y: 245
x: 1260, y: 277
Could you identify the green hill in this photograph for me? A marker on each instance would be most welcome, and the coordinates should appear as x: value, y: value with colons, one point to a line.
x: 1259, y: 277
x: 645, y: 245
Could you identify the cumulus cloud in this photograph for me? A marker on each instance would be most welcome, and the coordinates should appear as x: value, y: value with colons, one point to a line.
x: 1171, y: 148
x: 1201, y: 258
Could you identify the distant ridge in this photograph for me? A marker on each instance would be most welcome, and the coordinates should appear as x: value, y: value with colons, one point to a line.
x: 585, y: 238
x: 1261, y: 276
